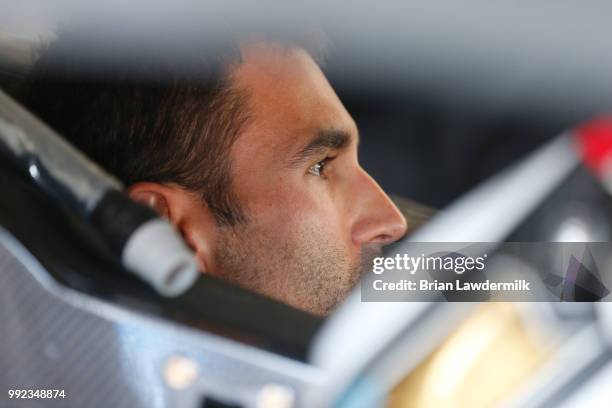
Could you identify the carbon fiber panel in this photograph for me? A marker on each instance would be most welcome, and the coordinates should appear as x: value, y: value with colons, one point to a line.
x: 52, y: 337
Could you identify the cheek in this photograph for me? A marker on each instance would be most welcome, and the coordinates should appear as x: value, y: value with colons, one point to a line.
x: 305, y: 218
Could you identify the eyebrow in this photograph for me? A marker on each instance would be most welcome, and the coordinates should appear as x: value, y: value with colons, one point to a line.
x: 323, y: 140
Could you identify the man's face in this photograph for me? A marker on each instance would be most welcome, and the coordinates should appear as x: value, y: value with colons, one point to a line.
x: 315, y: 217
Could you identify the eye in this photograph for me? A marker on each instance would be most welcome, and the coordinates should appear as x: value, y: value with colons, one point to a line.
x: 318, y: 169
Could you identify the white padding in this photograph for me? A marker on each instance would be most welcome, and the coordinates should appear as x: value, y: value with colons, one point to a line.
x: 158, y: 255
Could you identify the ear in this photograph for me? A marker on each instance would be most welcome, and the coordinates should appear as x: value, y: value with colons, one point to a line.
x: 186, y: 211
x: 152, y: 195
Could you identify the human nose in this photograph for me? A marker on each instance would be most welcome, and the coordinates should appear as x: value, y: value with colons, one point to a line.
x: 379, y: 220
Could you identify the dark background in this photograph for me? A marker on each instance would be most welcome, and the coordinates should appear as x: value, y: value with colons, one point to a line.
x: 432, y: 153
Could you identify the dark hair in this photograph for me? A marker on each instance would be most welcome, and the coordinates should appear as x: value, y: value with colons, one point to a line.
x: 161, y: 122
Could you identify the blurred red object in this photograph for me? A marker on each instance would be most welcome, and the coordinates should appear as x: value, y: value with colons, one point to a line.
x: 595, y: 141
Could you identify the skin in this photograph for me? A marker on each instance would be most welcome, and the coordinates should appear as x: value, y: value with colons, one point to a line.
x: 315, y: 217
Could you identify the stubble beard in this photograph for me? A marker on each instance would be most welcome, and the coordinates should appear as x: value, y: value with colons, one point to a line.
x: 306, y: 270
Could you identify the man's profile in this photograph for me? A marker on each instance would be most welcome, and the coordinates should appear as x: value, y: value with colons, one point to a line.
x: 252, y: 157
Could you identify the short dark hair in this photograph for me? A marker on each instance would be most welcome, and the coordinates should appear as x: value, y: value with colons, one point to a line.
x: 161, y: 123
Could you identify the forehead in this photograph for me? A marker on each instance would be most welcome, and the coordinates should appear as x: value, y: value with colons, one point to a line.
x: 289, y: 97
